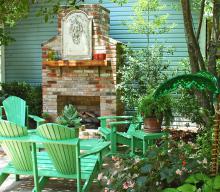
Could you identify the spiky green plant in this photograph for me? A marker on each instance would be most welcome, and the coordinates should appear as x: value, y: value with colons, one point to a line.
x: 69, y: 117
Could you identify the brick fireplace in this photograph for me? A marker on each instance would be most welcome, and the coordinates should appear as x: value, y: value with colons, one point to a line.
x: 86, y: 80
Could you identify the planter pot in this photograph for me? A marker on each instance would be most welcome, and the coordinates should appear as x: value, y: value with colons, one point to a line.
x: 102, y: 56
x: 152, y: 125
x: 99, y: 56
x: 95, y: 56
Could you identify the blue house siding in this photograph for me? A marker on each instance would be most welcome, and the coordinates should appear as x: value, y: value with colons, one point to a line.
x: 23, y: 57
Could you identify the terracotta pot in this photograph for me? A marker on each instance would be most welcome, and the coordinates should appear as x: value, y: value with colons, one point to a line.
x: 102, y: 56
x: 152, y: 125
x: 99, y: 56
x: 95, y: 56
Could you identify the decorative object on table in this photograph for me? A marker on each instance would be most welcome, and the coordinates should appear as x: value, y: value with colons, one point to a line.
x: 155, y: 111
x: 70, y: 118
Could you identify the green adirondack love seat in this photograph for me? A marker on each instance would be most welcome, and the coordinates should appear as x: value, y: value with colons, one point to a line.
x: 16, y: 111
x: 64, y: 159
x: 18, y: 148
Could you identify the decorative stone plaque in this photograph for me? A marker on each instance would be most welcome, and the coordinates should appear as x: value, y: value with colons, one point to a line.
x: 77, y: 36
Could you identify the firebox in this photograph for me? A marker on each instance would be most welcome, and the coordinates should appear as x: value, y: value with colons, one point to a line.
x: 88, y: 108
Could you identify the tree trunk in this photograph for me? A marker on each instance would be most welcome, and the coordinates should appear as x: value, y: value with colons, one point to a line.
x: 212, y: 68
x: 196, y: 60
x: 200, y: 19
x: 213, y: 44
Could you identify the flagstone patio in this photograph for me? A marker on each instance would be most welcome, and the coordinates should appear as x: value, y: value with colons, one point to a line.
x: 26, y: 183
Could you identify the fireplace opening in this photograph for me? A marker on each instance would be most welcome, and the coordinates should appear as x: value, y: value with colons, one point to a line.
x: 88, y: 108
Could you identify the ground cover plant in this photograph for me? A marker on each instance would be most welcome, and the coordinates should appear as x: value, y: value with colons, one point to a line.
x: 166, y: 165
x: 198, y: 182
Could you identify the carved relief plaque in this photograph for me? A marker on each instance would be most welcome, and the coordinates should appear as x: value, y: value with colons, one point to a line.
x: 77, y: 36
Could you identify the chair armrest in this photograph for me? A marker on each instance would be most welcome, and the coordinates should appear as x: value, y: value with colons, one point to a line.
x: 96, y: 150
x: 103, y: 119
x: 115, y: 117
x: 142, y: 135
x: 32, y: 131
x: 114, y: 124
x: 37, y: 119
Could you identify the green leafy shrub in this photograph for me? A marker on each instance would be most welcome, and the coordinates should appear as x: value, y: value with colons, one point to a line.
x: 165, y: 165
x: 31, y: 94
x: 69, y: 117
x: 143, y: 70
x: 198, y: 182
x: 187, y: 105
x: 159, y: 108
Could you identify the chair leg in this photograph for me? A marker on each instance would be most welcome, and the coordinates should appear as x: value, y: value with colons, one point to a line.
x: 42, y: 182
x: 3, y: 177
x: 89, y: 181
x: 113, y: 141
x: 144, y: 146
x: 132, y: 145
x: 17, y: 177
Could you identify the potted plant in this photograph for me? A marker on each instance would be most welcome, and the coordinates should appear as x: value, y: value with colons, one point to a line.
x: 155, y: 111
x: 70, y: 118
x: 48, y: 118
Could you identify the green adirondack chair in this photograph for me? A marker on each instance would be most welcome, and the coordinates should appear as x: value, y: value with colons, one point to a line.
x: 15, y: 142
x: 16, y: 111
x: 65, y: 160
x: 111, y: 134
x: 106, y: 132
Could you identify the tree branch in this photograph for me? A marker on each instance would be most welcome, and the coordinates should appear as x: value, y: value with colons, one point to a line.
x: 200, y: 19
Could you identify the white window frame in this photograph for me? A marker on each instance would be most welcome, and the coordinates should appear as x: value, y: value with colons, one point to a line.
x: 2, y: 66
x: 2, y: 79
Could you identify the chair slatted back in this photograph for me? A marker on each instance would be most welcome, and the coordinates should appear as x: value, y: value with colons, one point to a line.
x: 19, y: 152
x: 135, y: 125
x: 15, y: 109
x: 63, y: 156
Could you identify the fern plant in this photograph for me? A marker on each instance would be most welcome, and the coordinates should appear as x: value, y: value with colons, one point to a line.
x: 69, y: 117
